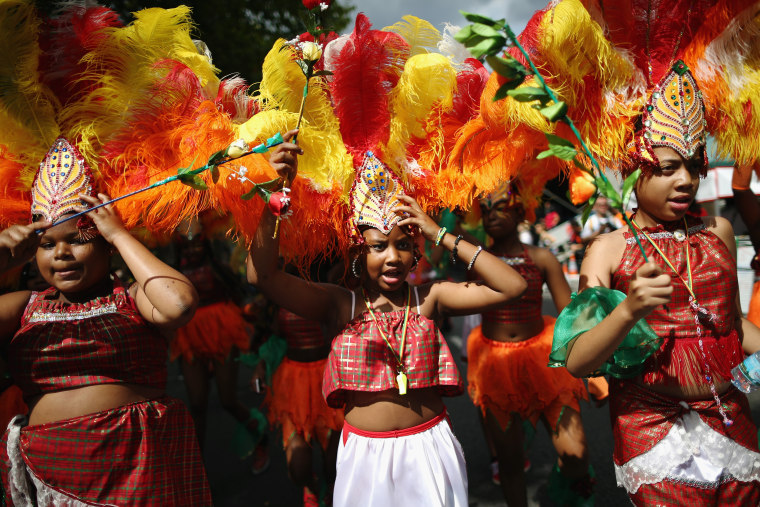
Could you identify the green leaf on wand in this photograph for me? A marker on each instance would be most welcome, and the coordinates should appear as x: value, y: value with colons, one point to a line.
x: 193, y: 180
x: 486, y: 30
x: 558, y: 147
x: 556, y: 111
x: 529, y: 94
x: 477, y: 18
x: 216, y: 157
x: 508, y: 67
x: 628, y: 185
x: 263, y: 189
x: 606, y: 189
x: 214, y: 174
x: 323, y: 73
x: 488, y: 46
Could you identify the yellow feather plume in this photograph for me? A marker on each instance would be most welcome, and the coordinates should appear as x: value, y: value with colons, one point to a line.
x: 122, y: 66
x: 320, y: 129
x: 28, y: 114
x: 333, y: 165
x: 420, y: 34
x: 428, y: 80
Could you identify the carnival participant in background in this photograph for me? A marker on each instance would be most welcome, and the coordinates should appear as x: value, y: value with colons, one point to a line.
x: 749, y: 209
x: 508, y: 377
x: 600, y: 221
x: 295, y: 404
x: 662, y: 318
x: 209, y: 345
x: 389, y: 365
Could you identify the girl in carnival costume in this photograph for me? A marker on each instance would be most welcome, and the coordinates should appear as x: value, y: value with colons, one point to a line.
x: 661, y: 319
x: 389, y: 365
x: 88, y: 352
x: 508, y: 377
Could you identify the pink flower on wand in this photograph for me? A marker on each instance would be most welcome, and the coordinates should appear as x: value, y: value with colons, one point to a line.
x: 312, y: 4
x: 279, y: 203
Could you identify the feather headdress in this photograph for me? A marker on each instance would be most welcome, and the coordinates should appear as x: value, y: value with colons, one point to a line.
x: 625, y: 70
x: 376, y: 121
x: 137, y: 102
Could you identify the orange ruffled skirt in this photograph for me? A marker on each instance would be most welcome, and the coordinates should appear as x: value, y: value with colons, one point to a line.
x: 212, y: 333
x: 294, y: 402
x: 513, y: 377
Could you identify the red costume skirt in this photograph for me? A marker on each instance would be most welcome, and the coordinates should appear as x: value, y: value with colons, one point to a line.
x: 295, y: 402
x: 513, y: 377
x: 212, y: 333
x: 641, y: 418
x: 141, y: 454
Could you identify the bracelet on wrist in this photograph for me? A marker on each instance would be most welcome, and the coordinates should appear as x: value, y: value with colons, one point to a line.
x: 472, y: 261
x: 454, y: 250
x: 440, y: 235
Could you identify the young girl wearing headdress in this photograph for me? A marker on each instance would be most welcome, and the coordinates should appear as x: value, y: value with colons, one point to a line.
x: 662, y: 317
x: 389, y: 365
x: 91, y: 361
x: 508, y: 377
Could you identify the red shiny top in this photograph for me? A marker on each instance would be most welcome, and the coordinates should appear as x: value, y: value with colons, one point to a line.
x: 528, y: 308
x: 680, y: 360
x: 361, y: 361
x: 300, y: 333
x: 64, y: 345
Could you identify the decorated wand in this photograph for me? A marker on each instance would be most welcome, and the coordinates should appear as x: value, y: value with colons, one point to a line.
x: 190, y: 177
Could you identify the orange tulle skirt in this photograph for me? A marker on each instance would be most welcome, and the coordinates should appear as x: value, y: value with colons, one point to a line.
x: 512, y: 377
x: 212, y: 333
x: 294, y: 402
x: 753, y: 314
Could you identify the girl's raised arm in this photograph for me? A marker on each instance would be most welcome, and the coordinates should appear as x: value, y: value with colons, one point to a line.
x: 498, y: 283
x: 648, y: 289
x: 163, y: 295
x: 318, y: 302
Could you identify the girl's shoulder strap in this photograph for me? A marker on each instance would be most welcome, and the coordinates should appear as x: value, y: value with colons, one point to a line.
x: 353, y: 304
x: 417, y: 297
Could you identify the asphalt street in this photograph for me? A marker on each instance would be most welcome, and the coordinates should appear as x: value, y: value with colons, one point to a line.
x: 233, y: 485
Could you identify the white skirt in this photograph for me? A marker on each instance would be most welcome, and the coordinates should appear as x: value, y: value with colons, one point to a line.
x: 420, y: 466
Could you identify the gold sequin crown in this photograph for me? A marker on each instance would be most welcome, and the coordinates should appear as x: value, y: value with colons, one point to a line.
x: 674, y: 116
x: 62, y: 176
x: 374, y: 195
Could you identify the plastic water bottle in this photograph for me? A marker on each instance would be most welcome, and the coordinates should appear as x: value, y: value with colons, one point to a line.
x: 746, y: 376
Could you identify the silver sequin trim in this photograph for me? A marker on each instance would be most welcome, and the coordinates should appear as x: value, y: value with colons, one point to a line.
x: 513, y: 261
x: 68, y: 316
x: 666, y: 234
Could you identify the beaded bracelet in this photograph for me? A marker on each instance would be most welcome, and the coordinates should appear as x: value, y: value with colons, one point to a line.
x: 472, y: 261
x: 439, y: 237
x: 454, y: 250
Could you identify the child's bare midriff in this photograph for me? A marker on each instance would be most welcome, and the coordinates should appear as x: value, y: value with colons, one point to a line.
x: 389, y: 411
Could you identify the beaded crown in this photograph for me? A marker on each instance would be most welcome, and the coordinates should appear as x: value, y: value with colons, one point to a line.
x: 674, y: 116
x: 374, y: 195
x: 63, y: 175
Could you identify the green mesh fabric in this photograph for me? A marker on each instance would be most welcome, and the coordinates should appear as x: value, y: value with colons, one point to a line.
x: 588, y: 309
x: 271, y: 352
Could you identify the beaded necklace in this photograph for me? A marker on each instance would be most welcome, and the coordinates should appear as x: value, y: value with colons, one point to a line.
x: 699, y: 310
x: 401, y: 379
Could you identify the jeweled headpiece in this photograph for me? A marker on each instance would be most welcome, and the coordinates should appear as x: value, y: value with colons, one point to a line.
x: 674, y: 117
x: 507, y: 191
x: 374, y: 195
x: 62, y: 176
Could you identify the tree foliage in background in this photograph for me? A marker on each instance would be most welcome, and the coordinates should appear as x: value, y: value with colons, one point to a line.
x: 239, y: 33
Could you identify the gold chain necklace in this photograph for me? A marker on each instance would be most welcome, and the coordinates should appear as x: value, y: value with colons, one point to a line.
x: 401, y: 379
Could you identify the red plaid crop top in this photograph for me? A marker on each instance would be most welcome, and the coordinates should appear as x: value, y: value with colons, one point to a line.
x: 65, y: 345
x: 680, y: 360
x: 528, y: 308
x: 361, y: 361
